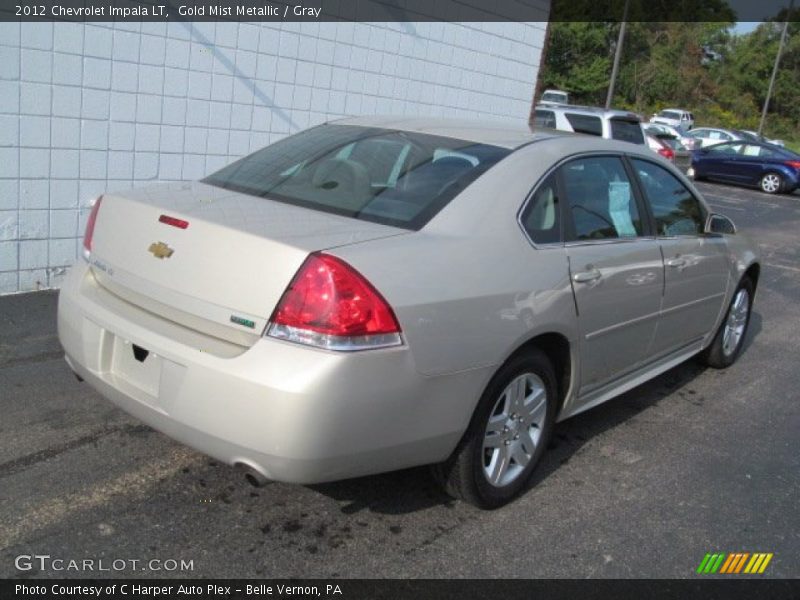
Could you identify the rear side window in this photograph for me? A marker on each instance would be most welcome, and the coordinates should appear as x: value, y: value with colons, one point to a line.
x: 752, y: 150
x: 585, y: 123
x: 541, y: 218
x: 675, y: 209
x: 391, y: 177
x: 600, y: 199
x: 627, y: 131
x: 545, y: 119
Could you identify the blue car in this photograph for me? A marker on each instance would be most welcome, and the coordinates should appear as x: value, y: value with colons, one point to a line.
x: 771, y: 168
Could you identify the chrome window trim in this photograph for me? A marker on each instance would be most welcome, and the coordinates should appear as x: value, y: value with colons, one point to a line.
x: 563, y: 243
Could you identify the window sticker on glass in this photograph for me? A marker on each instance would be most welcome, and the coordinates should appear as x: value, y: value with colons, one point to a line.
x: 619, y: 202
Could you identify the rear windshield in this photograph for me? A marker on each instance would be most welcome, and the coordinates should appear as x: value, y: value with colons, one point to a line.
x: 627, y: 131
x: 391, y: 177
x: 554, y: 97
x: 670, y: 114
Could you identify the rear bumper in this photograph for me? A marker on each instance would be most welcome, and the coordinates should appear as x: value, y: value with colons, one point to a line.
x: 293, y: 413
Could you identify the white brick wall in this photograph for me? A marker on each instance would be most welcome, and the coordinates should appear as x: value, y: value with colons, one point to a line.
x: 86, y: 108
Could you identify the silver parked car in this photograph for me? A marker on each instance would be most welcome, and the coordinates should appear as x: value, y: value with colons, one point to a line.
x: 708, y: 136
x: 377, y: 293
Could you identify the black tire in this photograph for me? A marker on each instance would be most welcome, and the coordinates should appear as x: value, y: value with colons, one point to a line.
x: 767, y: 183
x: 718, y: 355
x: 463, y: 475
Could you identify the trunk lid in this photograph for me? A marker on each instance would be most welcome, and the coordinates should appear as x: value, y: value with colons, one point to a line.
x: 226, y: 271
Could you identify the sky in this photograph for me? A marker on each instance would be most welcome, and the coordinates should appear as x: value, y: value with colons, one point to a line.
x: 743, y: 27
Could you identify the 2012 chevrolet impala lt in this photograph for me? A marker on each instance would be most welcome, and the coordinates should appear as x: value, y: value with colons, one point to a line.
x: 376, y: 293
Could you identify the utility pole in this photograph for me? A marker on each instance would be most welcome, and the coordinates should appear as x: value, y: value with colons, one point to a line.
x: 617, y: 53
x: 775, y: 68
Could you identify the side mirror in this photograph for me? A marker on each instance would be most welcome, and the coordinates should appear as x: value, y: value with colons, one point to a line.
x: 719, y: 225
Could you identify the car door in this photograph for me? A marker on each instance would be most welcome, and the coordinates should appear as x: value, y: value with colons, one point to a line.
x: 753, y: 162
x: 616, y: 270
x: 724, y: 161
x: 701, y: 137
x: 696, y: 265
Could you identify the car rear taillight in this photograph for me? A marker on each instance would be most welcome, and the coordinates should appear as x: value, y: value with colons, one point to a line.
x: 90, y: 223
x: 667, y: 153
x: 330, y: 305
x: 795, y: 164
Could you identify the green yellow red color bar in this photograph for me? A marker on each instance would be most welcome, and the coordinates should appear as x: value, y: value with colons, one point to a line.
x: 734, y: 562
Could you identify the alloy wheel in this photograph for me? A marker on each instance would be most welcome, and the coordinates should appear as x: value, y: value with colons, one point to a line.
x: 514, y: 429
x: 736, y: 323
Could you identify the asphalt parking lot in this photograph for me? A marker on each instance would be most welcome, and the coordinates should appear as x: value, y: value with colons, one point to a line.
x: 695, y: 461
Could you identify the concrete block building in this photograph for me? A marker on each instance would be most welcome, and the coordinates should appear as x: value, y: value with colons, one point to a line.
x: 93, y: 107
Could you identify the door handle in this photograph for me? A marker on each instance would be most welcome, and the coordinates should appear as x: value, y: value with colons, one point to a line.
x: 586, y: 276
x: 676, y: 262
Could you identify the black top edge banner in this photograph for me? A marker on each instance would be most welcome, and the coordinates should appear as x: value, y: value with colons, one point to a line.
x: 396, y: 10
x: 376, y: 589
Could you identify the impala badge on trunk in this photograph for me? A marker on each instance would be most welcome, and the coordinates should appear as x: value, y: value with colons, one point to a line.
x: 160, y: 250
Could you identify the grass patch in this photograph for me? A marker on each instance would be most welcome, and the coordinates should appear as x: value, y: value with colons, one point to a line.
x: 793, y: 145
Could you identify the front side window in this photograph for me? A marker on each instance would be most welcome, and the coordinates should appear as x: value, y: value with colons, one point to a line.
x: 541, y: 217
x: 585, y: 124
x: 722, y: 150
x: 391, y: 177
x: 675, y: 210
x: 600, y: 199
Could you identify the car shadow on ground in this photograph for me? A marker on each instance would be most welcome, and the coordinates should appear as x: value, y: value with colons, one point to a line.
x: 413, y: 490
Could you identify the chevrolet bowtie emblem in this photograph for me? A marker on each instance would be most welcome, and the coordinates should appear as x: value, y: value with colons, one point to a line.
x: 160, y: 250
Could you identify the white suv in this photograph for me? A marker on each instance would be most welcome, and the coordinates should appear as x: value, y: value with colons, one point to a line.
x: 678, y: 118
x: 610, y: 124
x: 555, y: 97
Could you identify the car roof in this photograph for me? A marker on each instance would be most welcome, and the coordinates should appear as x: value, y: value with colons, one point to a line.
x: 482, y: 132
x: 590, y: 110
x: 504, y: 135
